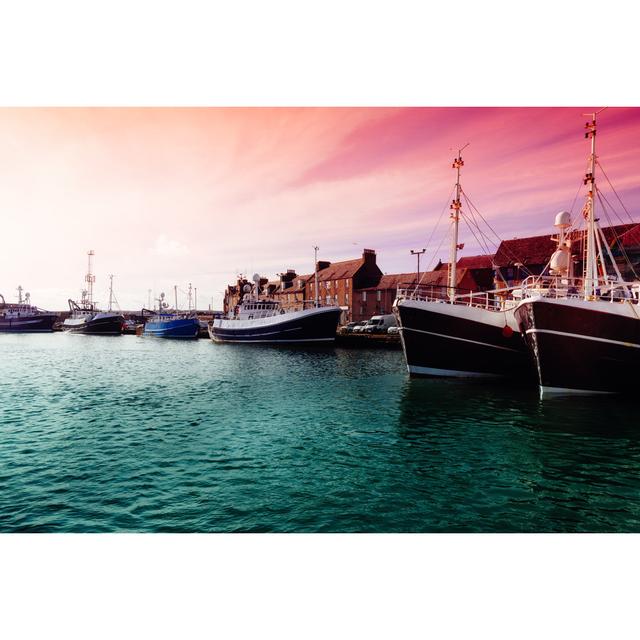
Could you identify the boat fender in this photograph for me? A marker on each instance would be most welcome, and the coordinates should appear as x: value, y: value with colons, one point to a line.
x: 281, y: 311
x: 507, y: 331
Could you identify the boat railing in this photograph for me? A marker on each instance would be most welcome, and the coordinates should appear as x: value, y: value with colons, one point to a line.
x: 494, y: 299
x: 607, y: 289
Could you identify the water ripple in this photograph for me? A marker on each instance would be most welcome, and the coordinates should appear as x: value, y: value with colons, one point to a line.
x: 134, y: 434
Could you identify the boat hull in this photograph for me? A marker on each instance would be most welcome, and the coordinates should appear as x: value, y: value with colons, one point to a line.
x: 457, y: 341
x: 29, y: 324
x: 182, y: 328
x: 111, y: 325
x: 309, y: 326
x: 582, y: 346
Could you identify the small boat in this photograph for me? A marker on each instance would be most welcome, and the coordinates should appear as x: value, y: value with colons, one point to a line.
x: 87, y: 319
x: 170, y: 324
x: 583, y: 333
x: 24, y: 317
x: 261, y: 319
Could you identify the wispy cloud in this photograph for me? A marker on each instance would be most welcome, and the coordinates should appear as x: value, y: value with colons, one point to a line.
x: 168, y: 196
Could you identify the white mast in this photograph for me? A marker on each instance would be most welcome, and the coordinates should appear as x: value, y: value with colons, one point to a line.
x: 20, y: 290
x: 90, y: 279
x: 110, y: 291
x: 458, y: 163
x: 175, y: 295
x: 315, y: 249
x: 190, y: 290
x: 591, y: 260
x: 195, y: 299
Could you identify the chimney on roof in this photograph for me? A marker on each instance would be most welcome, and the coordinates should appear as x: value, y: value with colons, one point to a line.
x: 369, y: 256
x: 286, y: 279
x: 323, y: 264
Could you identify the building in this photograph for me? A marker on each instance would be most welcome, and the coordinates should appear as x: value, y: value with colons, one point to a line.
x: 340, y: 283
x: 358, y: 286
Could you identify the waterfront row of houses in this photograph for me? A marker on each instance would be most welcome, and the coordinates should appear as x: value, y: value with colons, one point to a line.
x: 362, y: 290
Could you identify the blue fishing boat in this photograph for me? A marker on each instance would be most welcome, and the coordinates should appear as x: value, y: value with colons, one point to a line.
x: 170, y: 324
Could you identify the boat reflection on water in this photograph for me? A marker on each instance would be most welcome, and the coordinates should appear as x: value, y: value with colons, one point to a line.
x: 507, y: 462
x: 433, y: 403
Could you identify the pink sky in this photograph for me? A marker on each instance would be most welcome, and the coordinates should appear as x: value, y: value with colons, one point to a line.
x: 176, y: 195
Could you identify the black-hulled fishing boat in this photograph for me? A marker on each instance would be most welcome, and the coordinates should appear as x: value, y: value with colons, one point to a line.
x: 448, y: 332
x: 23, y: 317
x: 86, y: 318
x: 260, y: 319
x: 584, y: 333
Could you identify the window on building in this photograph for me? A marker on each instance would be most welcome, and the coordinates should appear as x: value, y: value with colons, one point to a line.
x: 364, y: 296
x: 335, y: 284
x: 378, y: 295
x: 346, y: 298
x: 328, y: 299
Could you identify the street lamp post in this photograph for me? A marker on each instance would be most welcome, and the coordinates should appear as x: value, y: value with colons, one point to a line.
x: 417, y: 253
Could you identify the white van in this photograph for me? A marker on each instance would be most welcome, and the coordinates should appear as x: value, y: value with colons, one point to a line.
x: 380, y: 324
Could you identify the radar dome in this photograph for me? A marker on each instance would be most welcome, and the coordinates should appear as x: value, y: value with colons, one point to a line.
x: 563, y: 220
x: 256, y: 277
x: 559, y: 263
x: 247, y: 288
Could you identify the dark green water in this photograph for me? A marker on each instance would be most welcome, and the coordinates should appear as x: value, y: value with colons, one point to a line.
x: 135, y: 434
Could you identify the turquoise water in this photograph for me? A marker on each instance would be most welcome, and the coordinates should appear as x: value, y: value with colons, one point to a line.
x: 139, y: 434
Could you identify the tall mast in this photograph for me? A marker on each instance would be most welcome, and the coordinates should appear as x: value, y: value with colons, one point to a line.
x: 110, y: 291
x: 315, y: 250
x: 190, y: 294
x: 175, y: 295
x: 90, y: 279
x: 458, y: 163
x: 591, y: 260
x: 195, y: 299
x: 20, y: 290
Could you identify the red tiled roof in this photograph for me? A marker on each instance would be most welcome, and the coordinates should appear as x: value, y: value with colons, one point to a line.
x: 631, y: 238
x: 338, y: 270
x: 529, y: 251
x: 539, y: 249
x: 439, y: 277
x: 392, y: 280
x: 475, y: 262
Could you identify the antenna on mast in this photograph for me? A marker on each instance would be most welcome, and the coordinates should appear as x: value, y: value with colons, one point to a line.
x: 110, y: 291
x: 455, y: 207
x: 591, y: 260
x: 89, y: 279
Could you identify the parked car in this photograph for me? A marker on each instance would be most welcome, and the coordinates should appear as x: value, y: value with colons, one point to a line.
x: 360, y: 326
x: 351, y: 326
x: 393, y: 330
x: 380, y: 324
